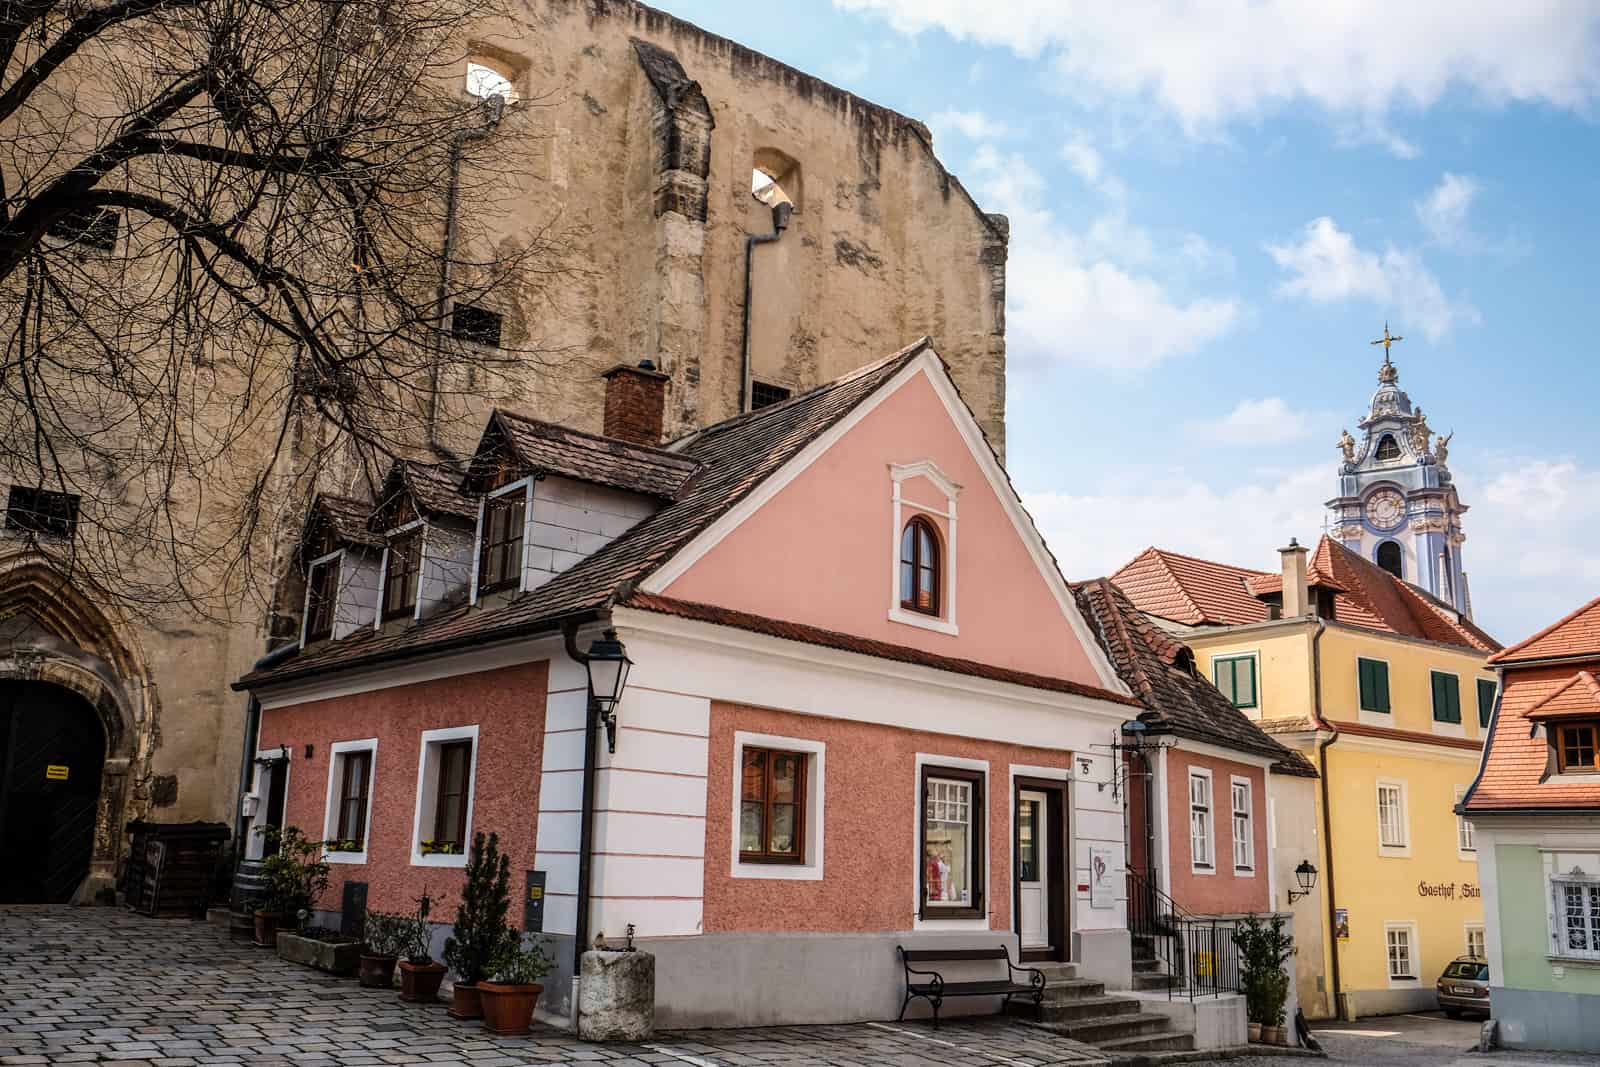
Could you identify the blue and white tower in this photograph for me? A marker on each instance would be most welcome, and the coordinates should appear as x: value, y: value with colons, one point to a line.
x: 1396, y: 504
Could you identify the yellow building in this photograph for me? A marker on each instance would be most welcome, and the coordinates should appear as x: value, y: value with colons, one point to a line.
x: 1384, y: 688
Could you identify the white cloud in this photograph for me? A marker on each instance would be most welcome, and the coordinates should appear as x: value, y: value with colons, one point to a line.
x: 1211, y: 61
x: 973, y: 125
x: 1326, y: 266
x: 1071, y: 297
x: 1443, y: 212
x: 1256, y: 422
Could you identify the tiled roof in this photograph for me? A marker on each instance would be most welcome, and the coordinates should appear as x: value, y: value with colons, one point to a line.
x: 1201, y: 592
x: 1158, y: 668
x: 733, y: 457
x: 348, y: 518
x: 434, y: 488
x: 588, y: 457
x: 1577, y: 634
x: 1579, y: 698
x: 813, y: 635
x: 1516, y: 770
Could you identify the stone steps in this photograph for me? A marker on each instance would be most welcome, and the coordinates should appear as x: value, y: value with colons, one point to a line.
x: 1082, y: 1010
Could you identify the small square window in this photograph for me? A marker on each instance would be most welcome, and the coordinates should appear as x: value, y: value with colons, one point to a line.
x: 1236, y: 677
x: 41, y: 511
x: 87, y: 228
x: 764, y: 394
x: 1576, y: 746
x: 475, y: 325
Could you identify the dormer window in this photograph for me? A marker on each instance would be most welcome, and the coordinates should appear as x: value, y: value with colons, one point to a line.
x: 402, y: 570
x: 322, y: 598
x: 919, y: 567
x: 1576, y: 747
x: 1388, y: 448
x: 500, y: 551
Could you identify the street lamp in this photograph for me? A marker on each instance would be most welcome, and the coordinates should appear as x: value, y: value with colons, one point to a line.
x: 607, y: 663
x: 1306, y: 875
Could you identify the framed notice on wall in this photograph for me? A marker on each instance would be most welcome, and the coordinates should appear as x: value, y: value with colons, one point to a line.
x: 1341, y: 923
x: 1102, y: 880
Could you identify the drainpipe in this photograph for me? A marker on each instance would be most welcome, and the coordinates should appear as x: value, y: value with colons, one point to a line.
x: 493, y: 108
x: 780, y: 222
x: 1336, y: 985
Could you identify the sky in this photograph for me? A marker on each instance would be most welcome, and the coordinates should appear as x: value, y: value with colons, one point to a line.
x: 1216, y: 205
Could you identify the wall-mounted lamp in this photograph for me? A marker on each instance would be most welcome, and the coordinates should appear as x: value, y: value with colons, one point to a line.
x: 607, y: 663
x: 1306, y: 875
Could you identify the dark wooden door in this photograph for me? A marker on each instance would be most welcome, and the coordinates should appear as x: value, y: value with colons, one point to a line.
x: 52, y: 749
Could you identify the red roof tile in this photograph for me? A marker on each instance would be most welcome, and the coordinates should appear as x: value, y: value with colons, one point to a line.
x: 1516, y: 772
x: 1579, y: 698
x: 1577, y: 634
x: 1189, y: 590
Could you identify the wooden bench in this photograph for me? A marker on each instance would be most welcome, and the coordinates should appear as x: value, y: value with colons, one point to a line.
x: 935, y: 989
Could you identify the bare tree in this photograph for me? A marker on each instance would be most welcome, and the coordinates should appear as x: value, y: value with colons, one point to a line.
x: 221, y: 270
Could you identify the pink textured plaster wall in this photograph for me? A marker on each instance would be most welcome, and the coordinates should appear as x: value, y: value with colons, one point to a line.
x: 825, y: 549
x: 869, y: 860
x: 508, y: 707
x: 1225, y: 891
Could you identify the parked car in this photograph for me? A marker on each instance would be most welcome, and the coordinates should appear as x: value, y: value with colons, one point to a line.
x: 1464, y: 986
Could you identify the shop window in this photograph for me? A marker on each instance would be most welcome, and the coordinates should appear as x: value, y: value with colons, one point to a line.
x: 1391, y: 559
x: 1244, y: 838
x: 1446, y: 697
x: 1388, y: 448
x: 322, y: 598
x: 1392, y: 823
x: 764, y: 394
x: 402, y: 569
x: 443, y: 826
x: 1487, y: 691
x: 1236, y: 677
x: 500, y: 550
x: 350, y: 769
x: 919, y: 567
x: 1202, y: 847
x: 475, y: 325
x: 1575, y: 746
x: 485, y: 81
x: 951, y: 852
x: 41, y: 511
x: 1373, y: 675
x: 772, y: 806
x: 1401, y: 940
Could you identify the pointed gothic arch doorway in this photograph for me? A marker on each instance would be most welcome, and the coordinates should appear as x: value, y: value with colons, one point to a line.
x: 52, y: 753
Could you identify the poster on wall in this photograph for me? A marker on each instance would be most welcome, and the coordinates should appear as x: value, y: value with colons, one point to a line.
x: 1102, y: 888
x: 1341, y: 923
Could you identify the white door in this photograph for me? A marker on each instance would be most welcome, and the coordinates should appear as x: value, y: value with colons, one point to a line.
x: 1033, y: 842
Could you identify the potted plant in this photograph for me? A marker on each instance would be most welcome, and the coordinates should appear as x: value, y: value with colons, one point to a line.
x: 1272, y: 1029
x: 509, y: 999
x: 385, y: 935
x: 420, y: 975
x: 480, y: 932
x: 295, y: 876
x: 1263, y: 949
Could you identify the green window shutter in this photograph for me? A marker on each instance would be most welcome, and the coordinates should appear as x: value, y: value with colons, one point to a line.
x: 1374, y: 676
x: 1446, y: 698
x: 1486, y: 695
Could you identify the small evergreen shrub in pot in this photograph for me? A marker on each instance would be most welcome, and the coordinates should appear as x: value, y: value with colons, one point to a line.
x: 510, y: 997
x: 480, y: 935
x: 1264, y: 948
x: 295, y: 874
x: 385, y: 935
x: 420, y: 974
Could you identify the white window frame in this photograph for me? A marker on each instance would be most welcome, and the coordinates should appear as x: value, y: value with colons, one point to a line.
x: 1483, y: 941
x: 1413, y: 955
x: 1466, y: 835
x: 330, y: 820
x: 1256, y: 710
x: 428, y: 793
x: 1557, y: 916
x: 981, y: 923
x: 1404, y: 848
x: 814, y: 812
x: 523, y: 484
x: 945, y: 621
x: 1210, y: 823
x: 1247, y: 869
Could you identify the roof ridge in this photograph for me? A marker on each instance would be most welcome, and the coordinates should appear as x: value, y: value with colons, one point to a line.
x: 1201, y: 559
x: 598, y: 438
x: 1506, y: 655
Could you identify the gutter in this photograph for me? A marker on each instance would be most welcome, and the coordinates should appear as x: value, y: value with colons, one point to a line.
x: 780, y: 222
x: 252, y: 731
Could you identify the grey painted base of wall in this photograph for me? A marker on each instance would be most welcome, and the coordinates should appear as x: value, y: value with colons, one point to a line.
x: 1359, y: 1003
x: 770, y: 979
x: 1104, y: 956
x: 1216, y: 1022
x: 1564, y: 1022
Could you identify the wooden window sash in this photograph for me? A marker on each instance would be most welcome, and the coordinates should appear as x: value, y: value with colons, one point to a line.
x: 354, y: 828
x: 1231, y: 665
x: 406, y: 551
x: 766, y: 854
x: 1575, y: 739
x: 977, y: 826
x: 925, y: 567
x: 500, y: 554
x: 450, y: 751
x: 324, y: 584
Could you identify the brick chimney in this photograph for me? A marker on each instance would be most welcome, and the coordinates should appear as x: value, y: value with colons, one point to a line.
x: 1295, y: 594
x: 636, y: 402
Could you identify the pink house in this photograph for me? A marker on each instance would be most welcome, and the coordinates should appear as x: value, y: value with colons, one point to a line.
x: 864, y: 709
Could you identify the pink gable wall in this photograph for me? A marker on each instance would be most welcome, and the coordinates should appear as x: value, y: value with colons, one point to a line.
x: 821, y: 551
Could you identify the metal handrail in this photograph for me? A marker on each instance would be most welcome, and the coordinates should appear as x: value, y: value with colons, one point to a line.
x: 1198, y: 954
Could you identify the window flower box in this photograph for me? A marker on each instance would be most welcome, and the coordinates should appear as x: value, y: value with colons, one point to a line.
x: 439, y: 848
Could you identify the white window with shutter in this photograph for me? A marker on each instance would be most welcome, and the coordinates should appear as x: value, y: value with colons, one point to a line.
x: 1202, y: 852
x: 1244, y: 834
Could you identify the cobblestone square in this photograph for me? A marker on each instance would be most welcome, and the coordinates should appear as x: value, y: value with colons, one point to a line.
x: 101, y: 985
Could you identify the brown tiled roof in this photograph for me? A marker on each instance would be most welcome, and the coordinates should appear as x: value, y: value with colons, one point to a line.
x: 1515, y: 770
x: 1579, y: 698
x: 733, y: 457
x: 1159, y: 669
x: 434, y: 488
x: 813, y: 635
x: 1576, y: 634
x: 1201, y: 592
x: 544, y: 446
x: 1287, y: 724
x: 348, y: 518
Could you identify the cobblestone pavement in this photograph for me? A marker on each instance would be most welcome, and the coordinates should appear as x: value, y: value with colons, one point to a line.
x: 100, y: 985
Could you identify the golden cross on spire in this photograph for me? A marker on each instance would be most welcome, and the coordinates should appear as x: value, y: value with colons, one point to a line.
x: 1386, y: 340
x: 1387, y: 374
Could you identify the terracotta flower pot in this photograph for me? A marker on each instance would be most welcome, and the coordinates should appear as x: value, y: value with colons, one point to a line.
x: 1255, y: 1031
x: 465, y: 1003
x: 1272, y: 1035
x: 377, y: 972
x: 419, y: 982
x: 508, y: 1009
x: 267, y: 923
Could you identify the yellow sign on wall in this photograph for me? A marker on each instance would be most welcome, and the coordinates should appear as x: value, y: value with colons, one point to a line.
x: 56, y: 772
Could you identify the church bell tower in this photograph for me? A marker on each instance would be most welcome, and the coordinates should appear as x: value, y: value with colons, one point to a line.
x: 1396, y: 504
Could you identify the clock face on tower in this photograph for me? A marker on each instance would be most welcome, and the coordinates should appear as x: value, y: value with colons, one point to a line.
x: 1385, y: 509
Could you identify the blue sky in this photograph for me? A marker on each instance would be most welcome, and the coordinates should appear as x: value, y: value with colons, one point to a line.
x: 1214, y: 211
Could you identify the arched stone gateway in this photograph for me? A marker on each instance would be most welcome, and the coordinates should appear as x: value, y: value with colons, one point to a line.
x: 79, y: 657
